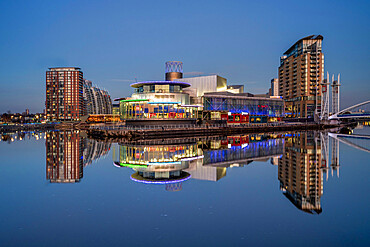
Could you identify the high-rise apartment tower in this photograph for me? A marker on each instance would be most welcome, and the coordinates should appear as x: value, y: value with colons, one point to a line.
x: 300, y: 74
x: 64, y: 94
x: 274, y: 87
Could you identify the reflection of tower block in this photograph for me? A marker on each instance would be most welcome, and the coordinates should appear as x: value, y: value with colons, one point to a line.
x: 173, y: 70
x: 174, y: 187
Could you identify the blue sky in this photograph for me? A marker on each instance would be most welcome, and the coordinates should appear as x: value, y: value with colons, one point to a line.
x: 115, y: 41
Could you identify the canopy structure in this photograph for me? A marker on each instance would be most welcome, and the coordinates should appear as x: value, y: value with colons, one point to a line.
x: 142, y: 83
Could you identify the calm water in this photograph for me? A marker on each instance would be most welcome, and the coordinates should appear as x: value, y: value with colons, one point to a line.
x: 62, y: 189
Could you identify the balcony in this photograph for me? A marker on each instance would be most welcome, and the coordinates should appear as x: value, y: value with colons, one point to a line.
x: 139, y: 91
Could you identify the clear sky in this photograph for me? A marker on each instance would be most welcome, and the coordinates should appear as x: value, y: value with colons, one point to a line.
x: 115, y: 41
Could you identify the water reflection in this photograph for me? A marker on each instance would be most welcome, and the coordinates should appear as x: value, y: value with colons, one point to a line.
x: 303, y: 159
x: 204, y: 159
x: 67, y: 152
x: 159, y: 164
x: 242, y: 150
x: 93, y: 150
x: 10, y: 137
x: 300, y: 173
x: 64, y: 159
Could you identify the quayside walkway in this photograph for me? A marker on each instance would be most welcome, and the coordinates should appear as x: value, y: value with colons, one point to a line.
x: 171, y: 131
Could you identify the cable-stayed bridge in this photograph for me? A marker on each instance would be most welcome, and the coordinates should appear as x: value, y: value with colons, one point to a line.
x: 354, y: 112
x: 360, y: 142
x: 330, y: 148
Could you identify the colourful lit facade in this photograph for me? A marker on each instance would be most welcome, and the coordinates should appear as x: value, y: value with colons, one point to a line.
x: 158, y: 100
x: 159, y: 164
x: 257, y: 108
x: 147, y: 155
x: 206, y: 160
x: 242, y: 149
x: 196, y: 99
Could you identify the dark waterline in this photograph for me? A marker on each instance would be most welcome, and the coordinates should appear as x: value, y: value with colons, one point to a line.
x: 256, y: 189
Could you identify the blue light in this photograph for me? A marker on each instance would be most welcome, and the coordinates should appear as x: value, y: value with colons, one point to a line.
x: 161, y: 182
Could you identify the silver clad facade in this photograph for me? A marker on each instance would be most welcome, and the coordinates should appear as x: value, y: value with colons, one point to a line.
x: 206, y: 84
x: 96, y: 100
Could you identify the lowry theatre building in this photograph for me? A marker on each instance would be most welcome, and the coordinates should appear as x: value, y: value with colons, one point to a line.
x: 185, y: 100
x: 158, y: 100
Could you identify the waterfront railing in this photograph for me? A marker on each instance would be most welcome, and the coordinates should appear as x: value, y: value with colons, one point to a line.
x: 183, y: 126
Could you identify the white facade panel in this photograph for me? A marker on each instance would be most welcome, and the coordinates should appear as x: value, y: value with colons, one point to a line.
x: 200, y: 172
x: 203, y: 84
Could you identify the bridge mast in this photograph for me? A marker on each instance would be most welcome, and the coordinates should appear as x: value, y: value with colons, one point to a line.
x: 335, y: 96
x: 325, y: 85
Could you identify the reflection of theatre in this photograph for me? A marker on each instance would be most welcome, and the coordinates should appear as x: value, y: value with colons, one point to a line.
x: 240, y: 150
x: 203, y: 160
x: 299, y: 172
x: 159, y: 164
x: 67, y: 153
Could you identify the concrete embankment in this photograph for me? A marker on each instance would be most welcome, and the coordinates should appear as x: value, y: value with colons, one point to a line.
x: 204, y: 130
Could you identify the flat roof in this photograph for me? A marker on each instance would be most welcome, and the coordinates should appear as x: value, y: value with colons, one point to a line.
x: 201, y: 76
x: 142, y: 83
x: 64, y: 68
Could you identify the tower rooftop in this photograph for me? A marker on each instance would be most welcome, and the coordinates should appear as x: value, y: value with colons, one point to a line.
x: 311, y: 37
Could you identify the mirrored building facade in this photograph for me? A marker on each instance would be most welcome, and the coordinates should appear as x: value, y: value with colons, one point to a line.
x: 300, y: 173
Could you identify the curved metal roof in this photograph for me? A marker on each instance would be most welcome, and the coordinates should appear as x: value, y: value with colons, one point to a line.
x: 142, y: 83
x: 311, y: 37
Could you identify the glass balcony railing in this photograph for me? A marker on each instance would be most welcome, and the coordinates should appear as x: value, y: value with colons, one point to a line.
x: 157, y: 91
